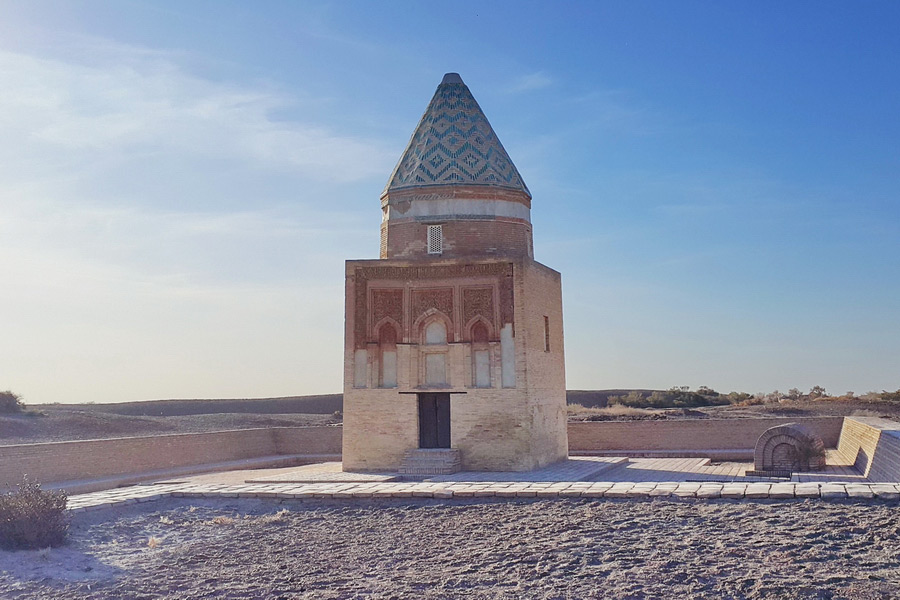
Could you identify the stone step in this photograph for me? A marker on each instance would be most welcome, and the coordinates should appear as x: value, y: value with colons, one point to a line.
x: 431, y: 461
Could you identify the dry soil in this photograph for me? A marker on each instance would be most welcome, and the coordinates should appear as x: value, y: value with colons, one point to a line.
x: 510, y: 549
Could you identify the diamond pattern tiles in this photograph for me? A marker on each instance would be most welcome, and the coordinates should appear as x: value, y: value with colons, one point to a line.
x: 455, y: 143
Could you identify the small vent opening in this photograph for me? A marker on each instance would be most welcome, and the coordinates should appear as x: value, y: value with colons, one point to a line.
x: 546, y: 334
x: 435, y: 239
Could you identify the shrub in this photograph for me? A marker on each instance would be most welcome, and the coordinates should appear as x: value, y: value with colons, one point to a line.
x: 890, y: 396
x: 676, y: 397
x: 816, y: 392
x: 32, y: 518
x: 810, y: 455
x: 10, y: 403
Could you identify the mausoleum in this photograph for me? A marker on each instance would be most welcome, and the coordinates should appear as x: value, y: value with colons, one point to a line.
x: 454, y: 336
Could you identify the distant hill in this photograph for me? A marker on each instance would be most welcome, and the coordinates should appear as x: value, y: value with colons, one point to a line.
x: 324, y: 404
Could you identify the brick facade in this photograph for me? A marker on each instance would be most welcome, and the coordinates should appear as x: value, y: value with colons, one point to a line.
x: 496, y: 428
x: 462, y: 239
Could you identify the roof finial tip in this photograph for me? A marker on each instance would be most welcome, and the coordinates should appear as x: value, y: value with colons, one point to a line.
x: 451, y: 78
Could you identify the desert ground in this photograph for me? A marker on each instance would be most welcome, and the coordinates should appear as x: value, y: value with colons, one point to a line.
x: 491, y: 549
x: 64, y: 422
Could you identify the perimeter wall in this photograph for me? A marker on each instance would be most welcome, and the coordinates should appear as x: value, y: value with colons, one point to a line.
x: 688, y: 434
x: 96, y: 459
x: 875, y: 446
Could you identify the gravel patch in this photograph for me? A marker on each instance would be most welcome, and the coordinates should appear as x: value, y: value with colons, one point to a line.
x: 479, y: 549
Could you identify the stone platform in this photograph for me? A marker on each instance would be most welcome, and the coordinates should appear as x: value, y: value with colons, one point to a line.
x: 578, y: 477
x: 451, y: 490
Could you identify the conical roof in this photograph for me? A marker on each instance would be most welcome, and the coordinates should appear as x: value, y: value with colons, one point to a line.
x: 454, y: 144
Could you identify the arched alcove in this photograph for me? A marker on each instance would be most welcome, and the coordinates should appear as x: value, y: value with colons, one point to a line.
x: 479, y: 334
x: 434, y: 338
x: 387, y: 355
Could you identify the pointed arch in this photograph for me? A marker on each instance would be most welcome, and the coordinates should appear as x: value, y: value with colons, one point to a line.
x: 378, y: 329
x: 428, y: 317
x: 479, y: 330
x: 435, y: 332
x: 388, y: 335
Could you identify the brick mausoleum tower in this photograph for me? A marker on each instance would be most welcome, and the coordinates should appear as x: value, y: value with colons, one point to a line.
x: 454, y: 337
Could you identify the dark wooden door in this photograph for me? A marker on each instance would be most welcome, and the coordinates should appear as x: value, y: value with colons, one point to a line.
x: 434, y: 420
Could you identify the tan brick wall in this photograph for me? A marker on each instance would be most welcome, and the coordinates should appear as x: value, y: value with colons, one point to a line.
x: 477, y: 238
x: 544, y: 372
x: 379, y: 426
x: 496, y: 428
x: 873, y: 446
x: 92, y: 459
x: 700, y: 434
x: 307, y: 440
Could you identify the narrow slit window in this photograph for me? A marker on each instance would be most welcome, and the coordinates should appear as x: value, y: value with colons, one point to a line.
x: 546, y: 334
x: 435, y: 239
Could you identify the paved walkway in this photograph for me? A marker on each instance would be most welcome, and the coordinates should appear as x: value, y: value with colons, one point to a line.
x: 702, y: 469
x: 579, y: 477
x: 448, y: 490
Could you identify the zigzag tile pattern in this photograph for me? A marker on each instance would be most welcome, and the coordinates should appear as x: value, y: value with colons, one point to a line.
x: 455, y: 143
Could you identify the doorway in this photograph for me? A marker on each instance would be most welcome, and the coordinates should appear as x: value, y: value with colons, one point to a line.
x: 434, y: 420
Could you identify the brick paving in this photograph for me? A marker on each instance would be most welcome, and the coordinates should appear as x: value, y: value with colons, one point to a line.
x: 504, y: 489
x: 622, y: 478
x: 323, y: 472
x: 702, y: 469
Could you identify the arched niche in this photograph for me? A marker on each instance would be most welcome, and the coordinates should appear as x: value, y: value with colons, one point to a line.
x: 388, y: 336
x: 434, y: 335
x: 479, y: 336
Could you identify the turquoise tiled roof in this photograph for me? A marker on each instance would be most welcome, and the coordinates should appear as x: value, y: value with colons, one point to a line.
x: 454, y: 144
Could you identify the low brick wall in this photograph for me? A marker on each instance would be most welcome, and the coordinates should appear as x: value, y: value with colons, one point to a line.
x: 94, y: 459
x: 690, y: 435
x: 872, y: 445
x: 307, y: 440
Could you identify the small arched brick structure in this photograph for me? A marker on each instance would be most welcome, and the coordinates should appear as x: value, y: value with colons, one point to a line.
x: 788, y: 448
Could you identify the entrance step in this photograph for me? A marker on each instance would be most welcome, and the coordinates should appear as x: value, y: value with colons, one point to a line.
x: 431, y: 461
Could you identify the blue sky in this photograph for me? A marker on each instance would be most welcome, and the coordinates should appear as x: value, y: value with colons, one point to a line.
x: 180, y: 184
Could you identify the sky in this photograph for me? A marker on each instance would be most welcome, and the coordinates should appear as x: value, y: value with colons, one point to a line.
x: 180, y: 183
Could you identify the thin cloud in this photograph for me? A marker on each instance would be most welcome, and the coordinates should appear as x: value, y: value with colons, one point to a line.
x: 528, y: 83
x: 53, y: 109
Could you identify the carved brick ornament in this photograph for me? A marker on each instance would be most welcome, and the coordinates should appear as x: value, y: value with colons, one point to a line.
x: 387, y: 303
x: 425, y: 300
x: 478, y: 302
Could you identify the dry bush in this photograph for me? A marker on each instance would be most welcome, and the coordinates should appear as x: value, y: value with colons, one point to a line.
x: 864, y: 412
x: 619, y: 410
x: 153, y: 541
x: 10, y: 403
x: 278, y: 517
x: 614, y: 410
x: 751, y: 401
x: 32, y: 518
x: 222, y: 520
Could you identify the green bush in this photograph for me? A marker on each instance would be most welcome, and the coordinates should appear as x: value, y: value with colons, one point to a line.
x: 32, y: 518
x: 10, y: 403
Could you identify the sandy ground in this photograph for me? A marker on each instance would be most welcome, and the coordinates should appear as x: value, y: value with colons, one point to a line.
x: 490, y: 549
x: 51, y: 423
x: 66, y: 425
